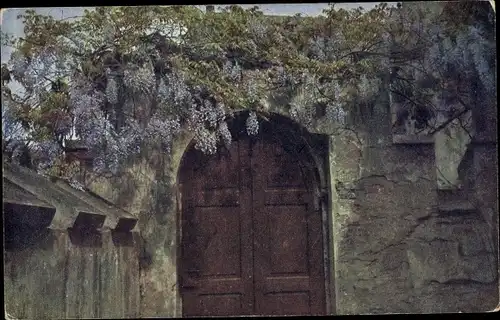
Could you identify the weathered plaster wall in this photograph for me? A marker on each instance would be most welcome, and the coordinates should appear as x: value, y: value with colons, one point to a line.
x: 455, y: 253
x: 376, y: 213
x: 148, y: 188
x: 393, y: 250
x: 380, y: 192
x: 59, y: 277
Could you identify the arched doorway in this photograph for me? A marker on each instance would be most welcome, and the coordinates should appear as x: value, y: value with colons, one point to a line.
x: 252, y: 240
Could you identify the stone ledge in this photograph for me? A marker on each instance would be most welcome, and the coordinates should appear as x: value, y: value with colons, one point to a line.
x: 74, y: 208
x: 456, y: 207
x: 412, y: 139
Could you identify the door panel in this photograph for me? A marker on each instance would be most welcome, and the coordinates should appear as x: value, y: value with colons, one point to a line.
x: 217, y: 242
x: 287, y: 240
x: 251, y: 244
x: 216, y: 245
x: 288, y: 264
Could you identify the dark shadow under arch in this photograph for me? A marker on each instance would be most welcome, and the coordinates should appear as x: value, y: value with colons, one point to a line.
x: 293, y: 135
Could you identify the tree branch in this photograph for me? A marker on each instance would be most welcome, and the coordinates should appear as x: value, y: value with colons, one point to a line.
x: 449, y: 120
x: 407, y: 98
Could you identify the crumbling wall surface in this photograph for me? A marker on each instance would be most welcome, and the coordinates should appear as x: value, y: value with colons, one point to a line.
x: 395, y: 250
x: 455, y: 254
x: 63, y: 275
x: 373, y: 224
x: 485, y: 184
x: 148, y: 189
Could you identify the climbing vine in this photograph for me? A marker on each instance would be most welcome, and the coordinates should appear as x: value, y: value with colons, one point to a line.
x: 120, y: 78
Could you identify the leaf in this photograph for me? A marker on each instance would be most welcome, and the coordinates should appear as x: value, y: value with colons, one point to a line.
x: 145, y: 35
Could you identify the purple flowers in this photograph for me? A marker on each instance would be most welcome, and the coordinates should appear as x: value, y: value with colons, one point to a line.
x: 252, y: 124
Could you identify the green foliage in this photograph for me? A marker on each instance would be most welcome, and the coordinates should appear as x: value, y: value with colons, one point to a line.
x: 126, y: 68
x: 196, y: 43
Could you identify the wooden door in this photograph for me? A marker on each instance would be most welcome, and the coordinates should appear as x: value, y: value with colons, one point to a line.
x: 251, y: 241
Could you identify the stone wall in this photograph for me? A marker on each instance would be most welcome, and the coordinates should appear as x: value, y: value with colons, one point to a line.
x: 62, y: 275
x: 401, y: 247
x: 376, y: 213
x: 395, y: 247
x: 148, y: 189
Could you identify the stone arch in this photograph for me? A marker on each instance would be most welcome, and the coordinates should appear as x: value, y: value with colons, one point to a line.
x: 294, y: 135
x: 316, y: 144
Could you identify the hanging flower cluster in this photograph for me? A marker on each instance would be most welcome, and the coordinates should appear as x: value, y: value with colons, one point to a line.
x: 131, y: 79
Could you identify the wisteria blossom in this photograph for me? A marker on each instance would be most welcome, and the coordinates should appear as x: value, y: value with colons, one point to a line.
x: 118, y: 84
x: 252, y: 124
